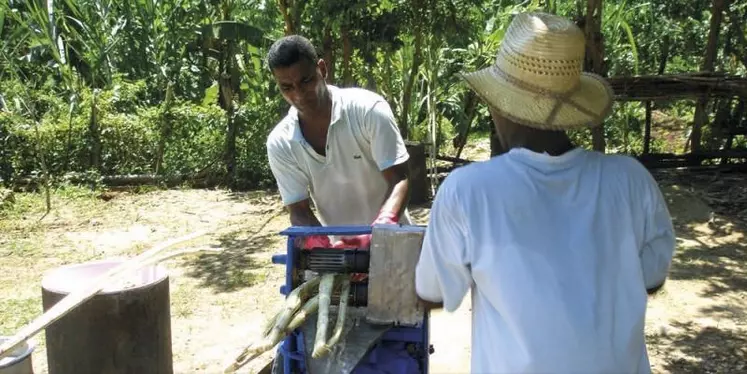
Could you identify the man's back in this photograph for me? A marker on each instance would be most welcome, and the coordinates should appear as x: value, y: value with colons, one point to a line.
x: 553, y: 249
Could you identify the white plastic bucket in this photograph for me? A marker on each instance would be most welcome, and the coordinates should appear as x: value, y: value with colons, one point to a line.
x: 19, y: 359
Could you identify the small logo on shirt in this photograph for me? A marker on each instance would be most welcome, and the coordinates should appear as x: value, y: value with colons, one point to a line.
x: 357, y: 157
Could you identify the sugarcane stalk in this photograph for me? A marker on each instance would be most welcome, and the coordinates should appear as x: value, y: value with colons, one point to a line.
x: 180, y: 253
x: 325, y: 298
x: 324, y: 348
x: 280, y: 327
x: 308, y: 309
x: 293, y: 303
x: 341, y: 312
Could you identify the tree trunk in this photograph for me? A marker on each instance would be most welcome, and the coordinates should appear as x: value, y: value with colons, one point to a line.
x: 701, y: 115
x: 95, y: 135
x: 329, y: 53
x: 470, y: 110
x: 649, y: 104
x: 736, y: 26
x: 289, y: 28
x: 127, y: 330
x: 595, y: 57
x: 347, y: 55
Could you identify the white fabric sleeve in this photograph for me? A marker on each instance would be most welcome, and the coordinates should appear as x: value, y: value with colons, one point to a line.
x: 659, y: 238
x: 443, y: 270
x: 292, y: 182
x: 387, y: 146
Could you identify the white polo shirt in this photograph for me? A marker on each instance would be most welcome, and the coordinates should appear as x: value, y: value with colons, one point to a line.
x: 347, y: 186
x: 558, y: 252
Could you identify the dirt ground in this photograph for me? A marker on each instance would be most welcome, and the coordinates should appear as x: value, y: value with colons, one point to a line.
x: 697, y: 323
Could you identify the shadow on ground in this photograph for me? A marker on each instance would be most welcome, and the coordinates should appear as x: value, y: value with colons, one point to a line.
x: 705, y: 350
x: 712, y: 247
x: 711, y: 257
x: 233, y: 268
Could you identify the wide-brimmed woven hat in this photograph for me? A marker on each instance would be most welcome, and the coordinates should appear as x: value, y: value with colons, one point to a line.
x: 537, y: 79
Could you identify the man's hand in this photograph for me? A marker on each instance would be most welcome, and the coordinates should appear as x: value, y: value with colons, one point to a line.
x: 364, y: 241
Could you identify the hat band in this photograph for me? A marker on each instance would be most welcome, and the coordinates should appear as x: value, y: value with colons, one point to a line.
x: 560, y: 98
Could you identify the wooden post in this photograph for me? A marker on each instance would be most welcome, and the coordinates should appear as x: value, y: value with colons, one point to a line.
x: 120, y: 330
x: 701, y: 114
x: 649, y: 103
x: 594, y: 57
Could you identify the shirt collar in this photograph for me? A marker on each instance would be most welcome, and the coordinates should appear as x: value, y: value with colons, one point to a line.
x: 334, y: 92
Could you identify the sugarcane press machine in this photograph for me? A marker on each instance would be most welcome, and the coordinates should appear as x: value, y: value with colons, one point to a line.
x: 383, y: 310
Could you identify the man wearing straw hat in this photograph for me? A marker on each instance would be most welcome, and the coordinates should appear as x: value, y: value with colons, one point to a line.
x: 558, y: 245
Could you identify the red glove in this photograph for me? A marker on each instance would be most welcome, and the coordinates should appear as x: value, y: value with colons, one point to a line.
x: 316, y: 241
x: 386, y: 218
x: 364, y: 241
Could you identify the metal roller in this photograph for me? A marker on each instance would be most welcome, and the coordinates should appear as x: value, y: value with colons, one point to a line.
x: 329, y: 260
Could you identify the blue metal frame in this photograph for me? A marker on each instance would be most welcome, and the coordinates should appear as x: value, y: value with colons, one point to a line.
x: 292, y: 348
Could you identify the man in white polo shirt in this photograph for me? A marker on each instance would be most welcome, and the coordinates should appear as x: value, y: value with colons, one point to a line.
x: 339, y: 147
x: 558, y: 245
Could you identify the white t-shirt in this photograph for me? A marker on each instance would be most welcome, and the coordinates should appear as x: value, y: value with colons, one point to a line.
x: 558, y: 253
x: 347, y: 186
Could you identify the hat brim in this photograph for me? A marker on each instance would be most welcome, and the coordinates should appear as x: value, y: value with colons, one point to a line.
x: 585, y: 107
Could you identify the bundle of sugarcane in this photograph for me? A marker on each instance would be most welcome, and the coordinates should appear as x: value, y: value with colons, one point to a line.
x: 298, y: 306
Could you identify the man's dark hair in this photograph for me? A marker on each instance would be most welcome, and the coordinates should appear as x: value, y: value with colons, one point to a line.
x: 289, y: 50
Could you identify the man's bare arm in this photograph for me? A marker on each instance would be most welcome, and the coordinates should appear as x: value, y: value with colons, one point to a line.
x: 301, y: 214
x: 399, y: 189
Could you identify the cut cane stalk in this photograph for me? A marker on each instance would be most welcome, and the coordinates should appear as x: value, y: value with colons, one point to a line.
x: 255, y: 350
x: 325, y: 297
x: 281, y: 325
x: 308, y: 309
x: 293, y: 303
x: 325, y: 348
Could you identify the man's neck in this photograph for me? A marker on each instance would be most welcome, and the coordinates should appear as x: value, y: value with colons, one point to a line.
x: 552, y: 143
x: 321, y: 116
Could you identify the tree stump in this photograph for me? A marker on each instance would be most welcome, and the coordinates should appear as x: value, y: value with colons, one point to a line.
x: 126, y: 328
x: 419, y: 183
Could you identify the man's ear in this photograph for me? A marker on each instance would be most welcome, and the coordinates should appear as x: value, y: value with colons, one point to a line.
x: 322, y: 68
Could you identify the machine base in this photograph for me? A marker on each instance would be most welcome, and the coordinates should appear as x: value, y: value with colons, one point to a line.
x: 358, y: 338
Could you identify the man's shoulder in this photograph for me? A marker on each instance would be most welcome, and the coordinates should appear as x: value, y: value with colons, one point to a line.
x: 492, y: 171
x: 359, y: 98
x: 282, y: 133
x: 622, y: 164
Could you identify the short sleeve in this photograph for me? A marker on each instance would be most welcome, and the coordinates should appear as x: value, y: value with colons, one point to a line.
x: 443, y: 270
x: 659, y: 239
x: 387, y: 145
x: 292, y: 182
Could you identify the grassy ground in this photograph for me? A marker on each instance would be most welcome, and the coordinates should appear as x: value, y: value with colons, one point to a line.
x: 697, y: 324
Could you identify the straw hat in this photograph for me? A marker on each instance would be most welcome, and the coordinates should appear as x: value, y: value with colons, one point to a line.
x: 537, y: 77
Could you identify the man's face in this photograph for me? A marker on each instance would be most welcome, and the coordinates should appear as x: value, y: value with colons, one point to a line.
x: 302, y: 84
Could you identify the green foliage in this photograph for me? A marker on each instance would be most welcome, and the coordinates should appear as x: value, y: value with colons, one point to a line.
x: 156, y: 86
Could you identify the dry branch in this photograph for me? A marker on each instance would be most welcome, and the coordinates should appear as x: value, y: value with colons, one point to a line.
x: 675, y: 86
